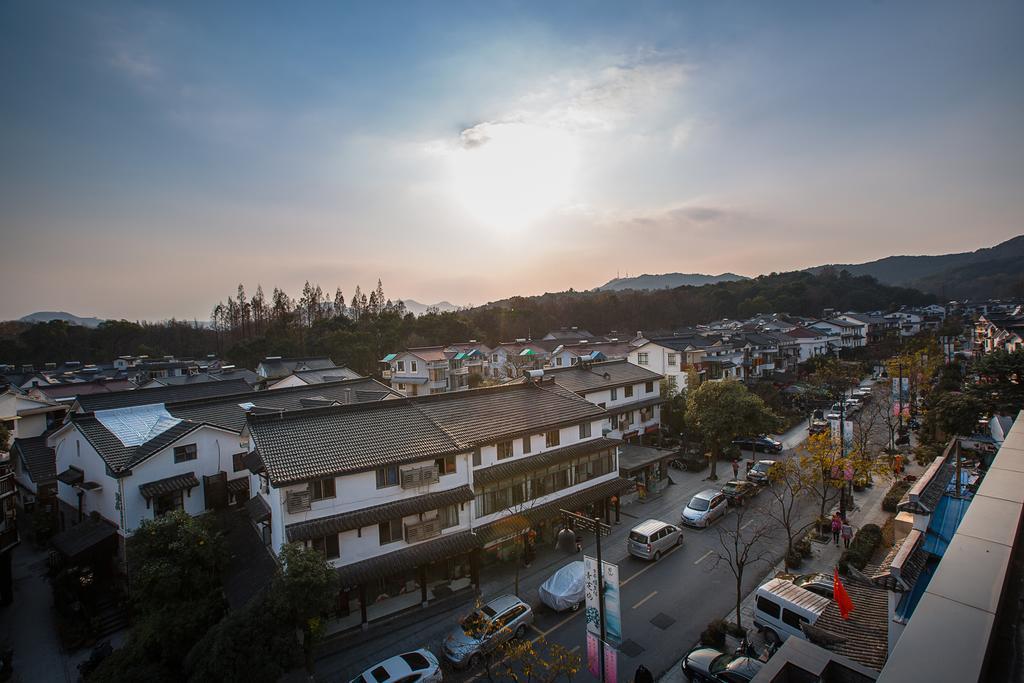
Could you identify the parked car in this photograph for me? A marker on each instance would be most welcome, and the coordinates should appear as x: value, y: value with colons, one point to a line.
x: 704, y: 508
x: 852, y: 404
x: 780, y: 608
x: 760, y: 472
x: 738, y: 490
x: 484, y: 629
x: 763, y: 444
x: 817, y: 427
x: 818, y: 582
x: 418, y: 666
x: 709, y: 664
x: 651, y: 539
x: 564, y: 589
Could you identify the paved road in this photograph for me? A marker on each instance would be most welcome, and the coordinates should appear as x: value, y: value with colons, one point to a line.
x: 665, y: 605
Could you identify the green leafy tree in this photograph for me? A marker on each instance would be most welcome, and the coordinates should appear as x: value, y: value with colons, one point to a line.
x: 723, y: 411
x: 174, y: 564
x: 302, y: 591
x: 1000, y: 381
x: 957, y: 414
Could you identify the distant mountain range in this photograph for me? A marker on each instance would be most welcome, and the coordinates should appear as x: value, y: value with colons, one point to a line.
x: 667, y: 281
x: 992, y: 272
x: 47, y: 316
x: 416, y: 308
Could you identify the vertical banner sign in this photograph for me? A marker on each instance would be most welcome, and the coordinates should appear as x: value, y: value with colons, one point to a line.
x: 612, y: 608
x: 593, y: 664
x: 611, y: 664
x: 847, y: 431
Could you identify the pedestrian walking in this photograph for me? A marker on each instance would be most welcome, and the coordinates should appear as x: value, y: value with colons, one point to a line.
x: 735, y: 468
x: 847, y: 533
x: 643, y: 675
x: 837, y: 527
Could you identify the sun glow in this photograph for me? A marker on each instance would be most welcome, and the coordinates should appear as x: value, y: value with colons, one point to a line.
x: 508, y: 175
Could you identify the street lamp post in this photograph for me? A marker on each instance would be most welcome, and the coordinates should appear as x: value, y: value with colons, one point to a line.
x: 599, y: 529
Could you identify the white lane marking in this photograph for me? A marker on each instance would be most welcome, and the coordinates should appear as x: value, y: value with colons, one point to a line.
x: 574, y: 648
x: 705, y: 556
x: 651, y: 595
x: 749, y: 522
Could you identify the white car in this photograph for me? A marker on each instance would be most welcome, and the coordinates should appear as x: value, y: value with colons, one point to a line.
x: 418, y: 666
x: 564, y: 589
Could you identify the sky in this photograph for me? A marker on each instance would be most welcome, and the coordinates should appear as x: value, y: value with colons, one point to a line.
x: 155, y: 155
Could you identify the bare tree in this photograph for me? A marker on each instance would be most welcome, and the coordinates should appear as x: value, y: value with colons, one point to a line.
x: 790, y: 482
x: 740, y: 548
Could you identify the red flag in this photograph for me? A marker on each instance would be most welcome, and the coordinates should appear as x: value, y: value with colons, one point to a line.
x: 842, y: 598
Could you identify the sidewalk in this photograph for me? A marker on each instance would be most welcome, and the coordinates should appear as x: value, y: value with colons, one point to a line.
x: 825, y: 556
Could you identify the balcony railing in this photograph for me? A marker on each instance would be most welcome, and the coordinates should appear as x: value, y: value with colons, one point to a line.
x: 421, y: 531
x: 415, y: 477
x: 7, y: 485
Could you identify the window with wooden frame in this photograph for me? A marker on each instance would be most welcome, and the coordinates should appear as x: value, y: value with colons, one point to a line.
x: 627, y: 391
x: 185, y: 453
x: 527, y: 446
x: 445, y: 465
x: 504, y: 450
x: 388, y: 476
x: 390, y: 531
x: 552, y: 439
x: 321, y: 489
x: 238, y: 461
x: 585, y: 430
x: 327, y: 545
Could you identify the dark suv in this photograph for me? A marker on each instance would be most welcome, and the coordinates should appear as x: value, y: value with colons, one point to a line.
x: 763, y: 444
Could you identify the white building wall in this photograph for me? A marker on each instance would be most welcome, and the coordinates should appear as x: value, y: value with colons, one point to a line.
x: 658, y: 361
x: 72, y: 449
x: 551, y: 496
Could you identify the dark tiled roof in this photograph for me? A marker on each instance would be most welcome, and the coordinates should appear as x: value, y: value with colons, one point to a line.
x: 227, y: 411
x: 325, y: 375
x: 864, y: 637
x: 583, y: 378
x: 929, y: 492
x: 258, y: 509
x: 383, y: 566
x: 250, y: 377
x: 528, y: 463
x: 281, y: 367
x: 71, y: 476
x: 506, y: 526
x: 75, y: 540
x: 317, y: 442
x: 903, y: 564
x: 356, y: 519
x: 139, y: 397
x: 118, y: 456
x: 487, y: 415
x: 626, y: 407
x: 38, y: 458
x: 179, y: 482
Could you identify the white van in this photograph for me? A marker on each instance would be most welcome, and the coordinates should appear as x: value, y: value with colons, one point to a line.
x: 780, y: 607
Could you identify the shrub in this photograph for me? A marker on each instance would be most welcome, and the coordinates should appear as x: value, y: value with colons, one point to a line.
x: 735, y: 630
x: 803, y: 546
x: 714, y: 634
x: 895, y: 494
x: 794, y: 559
x: 862, y: 548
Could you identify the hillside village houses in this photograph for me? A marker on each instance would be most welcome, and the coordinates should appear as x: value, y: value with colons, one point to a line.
x: 999, y: 331
x: 407, y: 497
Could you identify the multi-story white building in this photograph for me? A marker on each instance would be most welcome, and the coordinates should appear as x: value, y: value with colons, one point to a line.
x: 812, y: 343
x: 677, y: 357
x: 851, y: 334
x: 631, y: 394
x: 417, y: 372
x: 403, y: 496
x: 129, y: 456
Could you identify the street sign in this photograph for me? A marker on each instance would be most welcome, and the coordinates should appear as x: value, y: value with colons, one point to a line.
x: 611, y: 659
x: 612, y: 608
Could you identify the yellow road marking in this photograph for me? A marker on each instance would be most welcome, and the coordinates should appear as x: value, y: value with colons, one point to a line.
x: 649, y: 596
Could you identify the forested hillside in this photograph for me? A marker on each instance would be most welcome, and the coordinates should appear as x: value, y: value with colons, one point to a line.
x: 358, y: 333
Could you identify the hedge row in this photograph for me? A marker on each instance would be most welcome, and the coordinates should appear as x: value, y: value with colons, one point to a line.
x: 862, y: 548
x: 895, y: 494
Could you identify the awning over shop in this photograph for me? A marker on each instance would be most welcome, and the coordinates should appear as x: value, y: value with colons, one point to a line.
x: 76, y: 540
x: 633, y: 456
x: 160, y: 487
x: 625, y: 408
x: 509, y: 526
x: 346, y: 521
x: 505, y: 470
x: 383, y: 566
x: 408, y: 380
x: 258, y: 509
x: 388, y: 358
x: 71, y: 476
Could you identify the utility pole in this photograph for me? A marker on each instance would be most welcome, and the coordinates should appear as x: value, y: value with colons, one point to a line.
x: 842, y: 453
x: 599, y: 529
